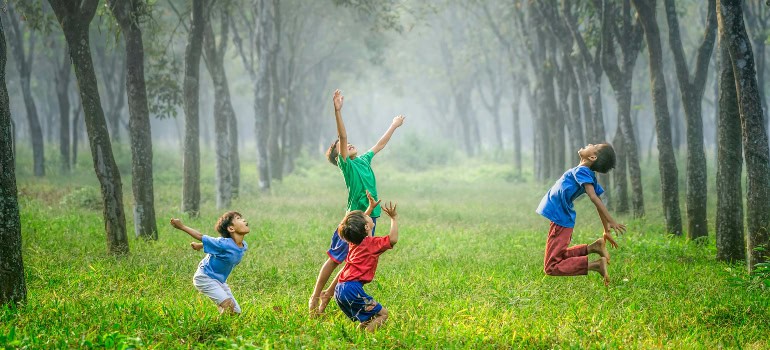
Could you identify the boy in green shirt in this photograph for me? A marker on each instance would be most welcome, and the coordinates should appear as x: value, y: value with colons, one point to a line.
x: 359, y: 178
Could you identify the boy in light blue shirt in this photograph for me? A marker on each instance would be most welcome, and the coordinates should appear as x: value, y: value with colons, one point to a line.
x: 556, y: 205
x: 222, y: 255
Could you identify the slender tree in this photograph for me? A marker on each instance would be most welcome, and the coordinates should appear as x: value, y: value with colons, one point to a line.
x: 755, y: 144
x: 757, y: 16
x: 128, y: 15
x: 692, y: 88
x: 620, y: 77
x: 730, y: 242
x: 24, y: 59
x: 223, y: 109
x: 13, y: 289
x: 62, y: 78
x: 266, y: 47
x: 191, y: 191
x: 667, y: 160
x: 75, y: 18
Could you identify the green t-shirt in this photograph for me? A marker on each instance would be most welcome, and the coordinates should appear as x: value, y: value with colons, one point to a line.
x: 359, y: 177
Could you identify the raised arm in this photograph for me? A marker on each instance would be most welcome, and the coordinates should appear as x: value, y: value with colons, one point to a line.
x: 342, y: 145
x: 397, y: 121
x: 180, y: 226
x: 372, y: 203
x: 390, y: 209
x: 607, y: 221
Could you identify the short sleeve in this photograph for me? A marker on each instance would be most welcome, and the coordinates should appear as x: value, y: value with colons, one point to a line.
x: 584, y: 175
x: 211, y: 245
x: 367, y: 157
x: 598, y: 189
x: 381, y: 243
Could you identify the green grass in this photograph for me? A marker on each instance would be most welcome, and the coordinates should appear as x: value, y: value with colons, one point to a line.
x: 466, y: 273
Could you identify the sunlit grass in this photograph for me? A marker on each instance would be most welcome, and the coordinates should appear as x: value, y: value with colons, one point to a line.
x: 467, y: 271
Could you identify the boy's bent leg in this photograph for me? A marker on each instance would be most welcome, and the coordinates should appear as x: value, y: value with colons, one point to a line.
x: 555, y: 262
x: 576, y: 250
x: 376, y: 321
x: 228, y: 307
x: 600, y: 247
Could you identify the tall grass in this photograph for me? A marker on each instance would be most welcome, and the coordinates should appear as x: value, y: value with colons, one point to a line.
x: 466, y: 273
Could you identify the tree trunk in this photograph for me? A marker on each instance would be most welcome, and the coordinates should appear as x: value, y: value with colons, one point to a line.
x: 75, y: 19
x: 13, y: 289
x: 619, y: 176
x: 692, y: 90
x: 223, y: 113
x: 516, y: 131
x: 235, y: 160
x: 265, y: 45
x: 62, y: 93
x: 24, y: 59
x: 191, y: 193
x: 76, y: 132
x: 755, y: 143
x: 127, y: 14
x: 731, y: 245
x: 667, y: 160
x: 621, y: 78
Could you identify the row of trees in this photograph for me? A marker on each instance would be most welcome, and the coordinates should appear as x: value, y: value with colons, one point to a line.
x: 550, y: 61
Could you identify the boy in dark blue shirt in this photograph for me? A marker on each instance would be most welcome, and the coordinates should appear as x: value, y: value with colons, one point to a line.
x: 556, y: 205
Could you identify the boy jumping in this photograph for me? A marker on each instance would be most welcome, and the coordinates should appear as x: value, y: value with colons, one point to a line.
x: 556, y: 205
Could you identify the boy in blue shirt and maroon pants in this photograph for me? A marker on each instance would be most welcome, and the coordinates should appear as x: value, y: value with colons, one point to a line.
x: 557, y: 206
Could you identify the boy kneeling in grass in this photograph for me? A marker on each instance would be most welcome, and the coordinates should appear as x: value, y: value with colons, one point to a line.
x: 556, y: 205
x: 222, y: 254
x: 361, y: 263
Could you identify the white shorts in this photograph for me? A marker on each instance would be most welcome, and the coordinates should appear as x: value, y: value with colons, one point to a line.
x: 215, y: 290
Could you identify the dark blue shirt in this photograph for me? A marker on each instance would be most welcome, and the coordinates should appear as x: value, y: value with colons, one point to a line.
x: 222, y: 254
x: 557, y: 205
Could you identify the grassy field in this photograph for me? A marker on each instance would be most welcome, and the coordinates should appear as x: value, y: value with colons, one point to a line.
x: 466, y: 273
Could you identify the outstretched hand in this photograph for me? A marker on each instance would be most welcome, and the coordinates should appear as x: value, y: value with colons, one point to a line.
x: 390, y: 209
x: 372, y: 203
x: 608, y: 239
x: 338, y: 98
x: 618, y: 228
x: 176, y: 223
x: 398, y: 120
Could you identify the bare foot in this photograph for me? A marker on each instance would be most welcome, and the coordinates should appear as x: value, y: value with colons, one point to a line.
x: 325, y: 298
x: 600, y: 247
x: 602, y: 269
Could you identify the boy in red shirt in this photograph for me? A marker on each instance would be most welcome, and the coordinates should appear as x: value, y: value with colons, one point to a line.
x: 360, y: 265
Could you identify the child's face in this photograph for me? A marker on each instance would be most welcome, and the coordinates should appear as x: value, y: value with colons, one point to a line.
x: 589, y: 152
x: 352, y: 151
x: 239, y: 225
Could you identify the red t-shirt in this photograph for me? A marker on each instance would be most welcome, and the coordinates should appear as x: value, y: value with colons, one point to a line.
x: 362, y: 259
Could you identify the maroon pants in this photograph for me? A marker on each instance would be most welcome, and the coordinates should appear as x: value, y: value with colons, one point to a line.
x: 560, y: 259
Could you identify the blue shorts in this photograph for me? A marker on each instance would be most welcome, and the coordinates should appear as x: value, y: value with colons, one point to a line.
x: 338, y: 250
x: 354, y: 302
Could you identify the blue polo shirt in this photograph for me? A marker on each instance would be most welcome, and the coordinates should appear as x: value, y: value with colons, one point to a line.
x: 557, y: 205
x: 222, y: 254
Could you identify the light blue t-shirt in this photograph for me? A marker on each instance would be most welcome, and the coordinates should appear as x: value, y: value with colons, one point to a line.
x: 222, y: 254
x: 557, y: 205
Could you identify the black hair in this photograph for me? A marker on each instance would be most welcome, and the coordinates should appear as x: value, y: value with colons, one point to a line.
x: 353, y: 227
x: 605, y: 159
x: 333, y: 152
x: 224, y: 222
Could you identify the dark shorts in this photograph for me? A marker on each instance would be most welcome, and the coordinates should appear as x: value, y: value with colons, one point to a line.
x: 338, y: 250
x: 354, y: 302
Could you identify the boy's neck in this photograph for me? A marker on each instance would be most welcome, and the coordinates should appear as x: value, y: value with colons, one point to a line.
x: 238, y: 238
x: 585, y: 162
